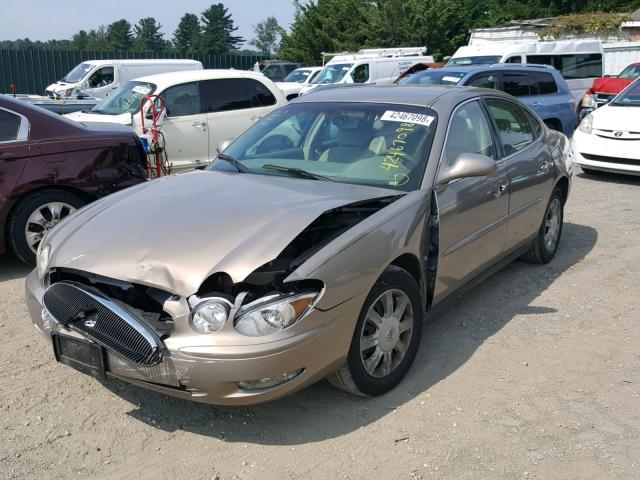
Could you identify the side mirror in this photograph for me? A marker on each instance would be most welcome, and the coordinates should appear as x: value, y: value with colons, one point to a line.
x: 468, y: 165
x: 224, y: 144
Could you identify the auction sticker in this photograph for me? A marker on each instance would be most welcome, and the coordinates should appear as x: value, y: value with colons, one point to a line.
x: 407, y: 117
x: 451, y: 79
x: 142, y: 89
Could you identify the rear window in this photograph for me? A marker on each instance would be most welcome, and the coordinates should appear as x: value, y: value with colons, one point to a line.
x: 546, y: 83
x: 261, y: 96
x: 479, y: 60
x: 9, y: 126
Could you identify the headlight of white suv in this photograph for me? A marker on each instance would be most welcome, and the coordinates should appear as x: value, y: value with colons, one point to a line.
x: 42, y: 259
x: 586, y: 125
x: 273, y: 314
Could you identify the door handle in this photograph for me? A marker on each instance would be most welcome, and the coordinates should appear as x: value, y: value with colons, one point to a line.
x: 200, y: 124
x: 500, y: 189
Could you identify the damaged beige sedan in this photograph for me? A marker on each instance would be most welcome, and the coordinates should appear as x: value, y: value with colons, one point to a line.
x: 313, y: 247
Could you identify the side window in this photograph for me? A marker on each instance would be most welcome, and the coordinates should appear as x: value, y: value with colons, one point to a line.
x: 518, y: 85
x: 546, y: 83
x: 484, y: 80
x: 261, y: 95
x: 514, y: 59
x: 225, y: 94
x: 469, y: 132
x: 10, y: 127
x: 101, y: 78
x: 289, y: 68
x: 580, y: 65
x: 360, y: 74
x: 513, y: 125
x: 535, y: 124
x: 182, y: 100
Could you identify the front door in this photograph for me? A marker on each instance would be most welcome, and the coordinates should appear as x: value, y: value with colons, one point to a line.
x: 472, y: 211
x: 101, y: 82
x: 185, y: 129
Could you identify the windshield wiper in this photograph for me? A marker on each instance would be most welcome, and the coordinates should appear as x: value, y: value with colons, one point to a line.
x: 238, y: 166
x: 297, y: 172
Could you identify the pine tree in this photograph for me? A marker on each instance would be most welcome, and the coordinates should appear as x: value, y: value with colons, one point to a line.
x: 217, y: 31
x: 119, y: 36
x: 187, y: 35
x: 148, y: 35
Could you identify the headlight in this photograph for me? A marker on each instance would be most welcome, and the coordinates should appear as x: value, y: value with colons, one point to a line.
x: 588, y: 101
x: 210, y: 315
x: 68, y: 92
x: 42, y: 259
x: 586, y: 125
x: 272, y: 314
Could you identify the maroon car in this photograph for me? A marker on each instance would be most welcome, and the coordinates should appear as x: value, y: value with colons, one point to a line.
x: 51, y: 166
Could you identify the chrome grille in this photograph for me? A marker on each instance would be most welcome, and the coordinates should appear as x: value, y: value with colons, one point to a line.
x: 97, y: 317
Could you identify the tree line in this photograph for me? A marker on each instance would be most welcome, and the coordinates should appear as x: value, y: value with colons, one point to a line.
x: 441, y: 25
x: 212, y: 32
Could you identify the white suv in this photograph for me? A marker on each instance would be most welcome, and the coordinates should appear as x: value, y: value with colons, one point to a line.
x: 204, y: 108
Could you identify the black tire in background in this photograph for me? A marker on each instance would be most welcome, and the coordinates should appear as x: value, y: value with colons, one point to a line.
x: 16, y: 227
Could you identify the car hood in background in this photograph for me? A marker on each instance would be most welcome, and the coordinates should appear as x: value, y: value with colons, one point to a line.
x: 123, y: 118
x: 175, y: 232
x: 614, y: 117
x: 610, y: 84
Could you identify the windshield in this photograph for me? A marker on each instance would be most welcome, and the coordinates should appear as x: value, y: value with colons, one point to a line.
x: 631, y: 72
x: 78, y: 73
x: 481, y: 60
x: 433, y: 77
x: 298, y: 76
x: 333, y: 73
x: 630, y: 96
x: 125, y: 99
x: 378, y: 145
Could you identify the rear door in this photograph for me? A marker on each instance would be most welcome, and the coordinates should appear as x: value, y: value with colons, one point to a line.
x: 185, y: 128
x: 232, y: 105
x: 529, y: 166
x: 472, y: 211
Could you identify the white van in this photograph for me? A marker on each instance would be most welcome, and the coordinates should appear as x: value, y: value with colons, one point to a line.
x: 98, y: 78
x: 377, y: 65
x: 203, y: 108
x: 579, y: 61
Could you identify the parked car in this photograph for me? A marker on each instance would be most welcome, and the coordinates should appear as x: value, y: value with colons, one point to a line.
x: 203, y: 109
x: 418, y: 67
x: 605, y: 88
x: 608, y: 139
x: 311, y: 247
x: 540, y: 87
x: 99, y: 78
x: 296, y: 80
x: 51, y: 166
x: 372, y: 65
x: 277, y: 70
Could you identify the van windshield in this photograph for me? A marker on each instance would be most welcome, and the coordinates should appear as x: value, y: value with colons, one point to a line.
x: 125, y: 99
x: 332, y: 73
x: 78, y: 73
x: 481, y: 60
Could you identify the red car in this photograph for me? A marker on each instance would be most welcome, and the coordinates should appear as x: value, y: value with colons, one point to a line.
x: 605, y: 88
x: 51, y: 166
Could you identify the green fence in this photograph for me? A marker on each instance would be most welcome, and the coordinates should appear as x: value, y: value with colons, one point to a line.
x: 31, y: 71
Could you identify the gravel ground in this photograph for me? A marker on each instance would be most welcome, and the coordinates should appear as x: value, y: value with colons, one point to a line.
x: 534, y: 374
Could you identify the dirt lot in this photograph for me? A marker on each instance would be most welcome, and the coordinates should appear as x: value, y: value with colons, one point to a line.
x: 536, y: 374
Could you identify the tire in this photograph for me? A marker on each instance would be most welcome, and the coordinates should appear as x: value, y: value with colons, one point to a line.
x: 47, y: 202
x: 355, y: 376
x: 547, y: 240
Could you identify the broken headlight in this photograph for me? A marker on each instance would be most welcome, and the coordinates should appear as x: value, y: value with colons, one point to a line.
x: 273, y: 314
x: 210, y: 315
x: 42, y: 259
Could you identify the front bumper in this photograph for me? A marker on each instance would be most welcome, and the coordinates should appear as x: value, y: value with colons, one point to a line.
x: 596, y: 152
x: 211, y: 374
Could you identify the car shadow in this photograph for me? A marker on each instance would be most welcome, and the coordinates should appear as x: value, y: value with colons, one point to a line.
x: 608, y: 177
x: 321, y: 411
x: 12, y: 268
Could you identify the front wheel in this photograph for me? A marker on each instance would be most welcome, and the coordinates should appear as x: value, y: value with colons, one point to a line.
x: 34, y: 216
x: 546, y: 242
x: 386, y: 337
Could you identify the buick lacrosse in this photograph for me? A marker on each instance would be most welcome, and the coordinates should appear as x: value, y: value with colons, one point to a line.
x: 314, y: 246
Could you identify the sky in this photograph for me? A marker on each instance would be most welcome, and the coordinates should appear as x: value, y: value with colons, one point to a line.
x: 60, y: 19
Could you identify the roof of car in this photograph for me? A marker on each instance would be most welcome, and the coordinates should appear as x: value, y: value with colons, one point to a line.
x: 417, y: 95
x: 162, y: 80
x: 505, y: 66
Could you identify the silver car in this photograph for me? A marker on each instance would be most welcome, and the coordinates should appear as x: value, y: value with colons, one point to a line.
x: 314, y: 246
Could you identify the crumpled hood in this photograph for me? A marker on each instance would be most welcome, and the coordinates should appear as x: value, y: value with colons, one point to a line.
x: 610, y: 84
x: 174, y: 232
x: 123, y: 119
x: 612, y: 117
